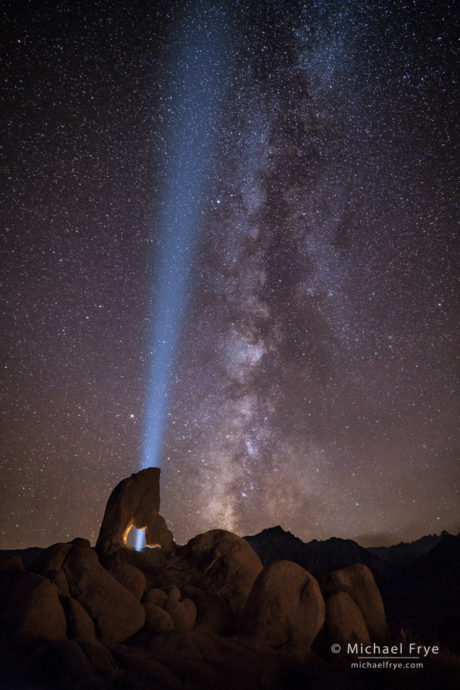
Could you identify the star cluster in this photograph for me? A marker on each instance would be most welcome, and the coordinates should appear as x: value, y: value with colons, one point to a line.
x: 314, y: 381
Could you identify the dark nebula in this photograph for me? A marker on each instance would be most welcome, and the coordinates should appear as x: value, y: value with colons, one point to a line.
x: 314, y: 382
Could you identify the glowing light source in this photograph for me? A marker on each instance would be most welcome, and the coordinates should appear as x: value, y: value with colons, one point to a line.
x: 195, y: 94
x: 139, y: 541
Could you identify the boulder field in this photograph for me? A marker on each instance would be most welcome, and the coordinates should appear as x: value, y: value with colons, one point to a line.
x: 202, y: 616
x: 207, y: 616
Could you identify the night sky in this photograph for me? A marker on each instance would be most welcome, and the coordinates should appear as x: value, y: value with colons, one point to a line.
x: 312, y: 383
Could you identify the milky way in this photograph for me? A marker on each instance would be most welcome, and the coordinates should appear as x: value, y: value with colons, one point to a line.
x: 314, y: 380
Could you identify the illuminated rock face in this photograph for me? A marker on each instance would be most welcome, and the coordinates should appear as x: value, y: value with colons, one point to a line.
x: 135, y: 502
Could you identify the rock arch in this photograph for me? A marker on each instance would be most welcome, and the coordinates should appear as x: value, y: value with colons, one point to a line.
x: 135, y: 502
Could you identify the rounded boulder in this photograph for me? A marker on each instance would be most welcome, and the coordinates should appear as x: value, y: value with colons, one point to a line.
x: 157, y: 619
x: 344, y: 621
x: 130, y: 577
x: 224, y: 565
x: 34, y: 613
x: 358, y: 582
x: 285, y: 610
x: 116, y: 613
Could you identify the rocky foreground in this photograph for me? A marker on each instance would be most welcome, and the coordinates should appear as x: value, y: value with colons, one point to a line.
x: 204, y: 616
x: 207, y: 615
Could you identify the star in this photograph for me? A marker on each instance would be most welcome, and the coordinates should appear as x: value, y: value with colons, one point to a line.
x: 310, y: 151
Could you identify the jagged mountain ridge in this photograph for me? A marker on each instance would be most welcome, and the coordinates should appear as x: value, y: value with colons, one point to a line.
x: 405, y: 554
x: 319, y: 557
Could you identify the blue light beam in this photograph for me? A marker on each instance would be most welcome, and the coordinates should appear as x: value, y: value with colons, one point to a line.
x: 197, y: 87
x: 196, y: 90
